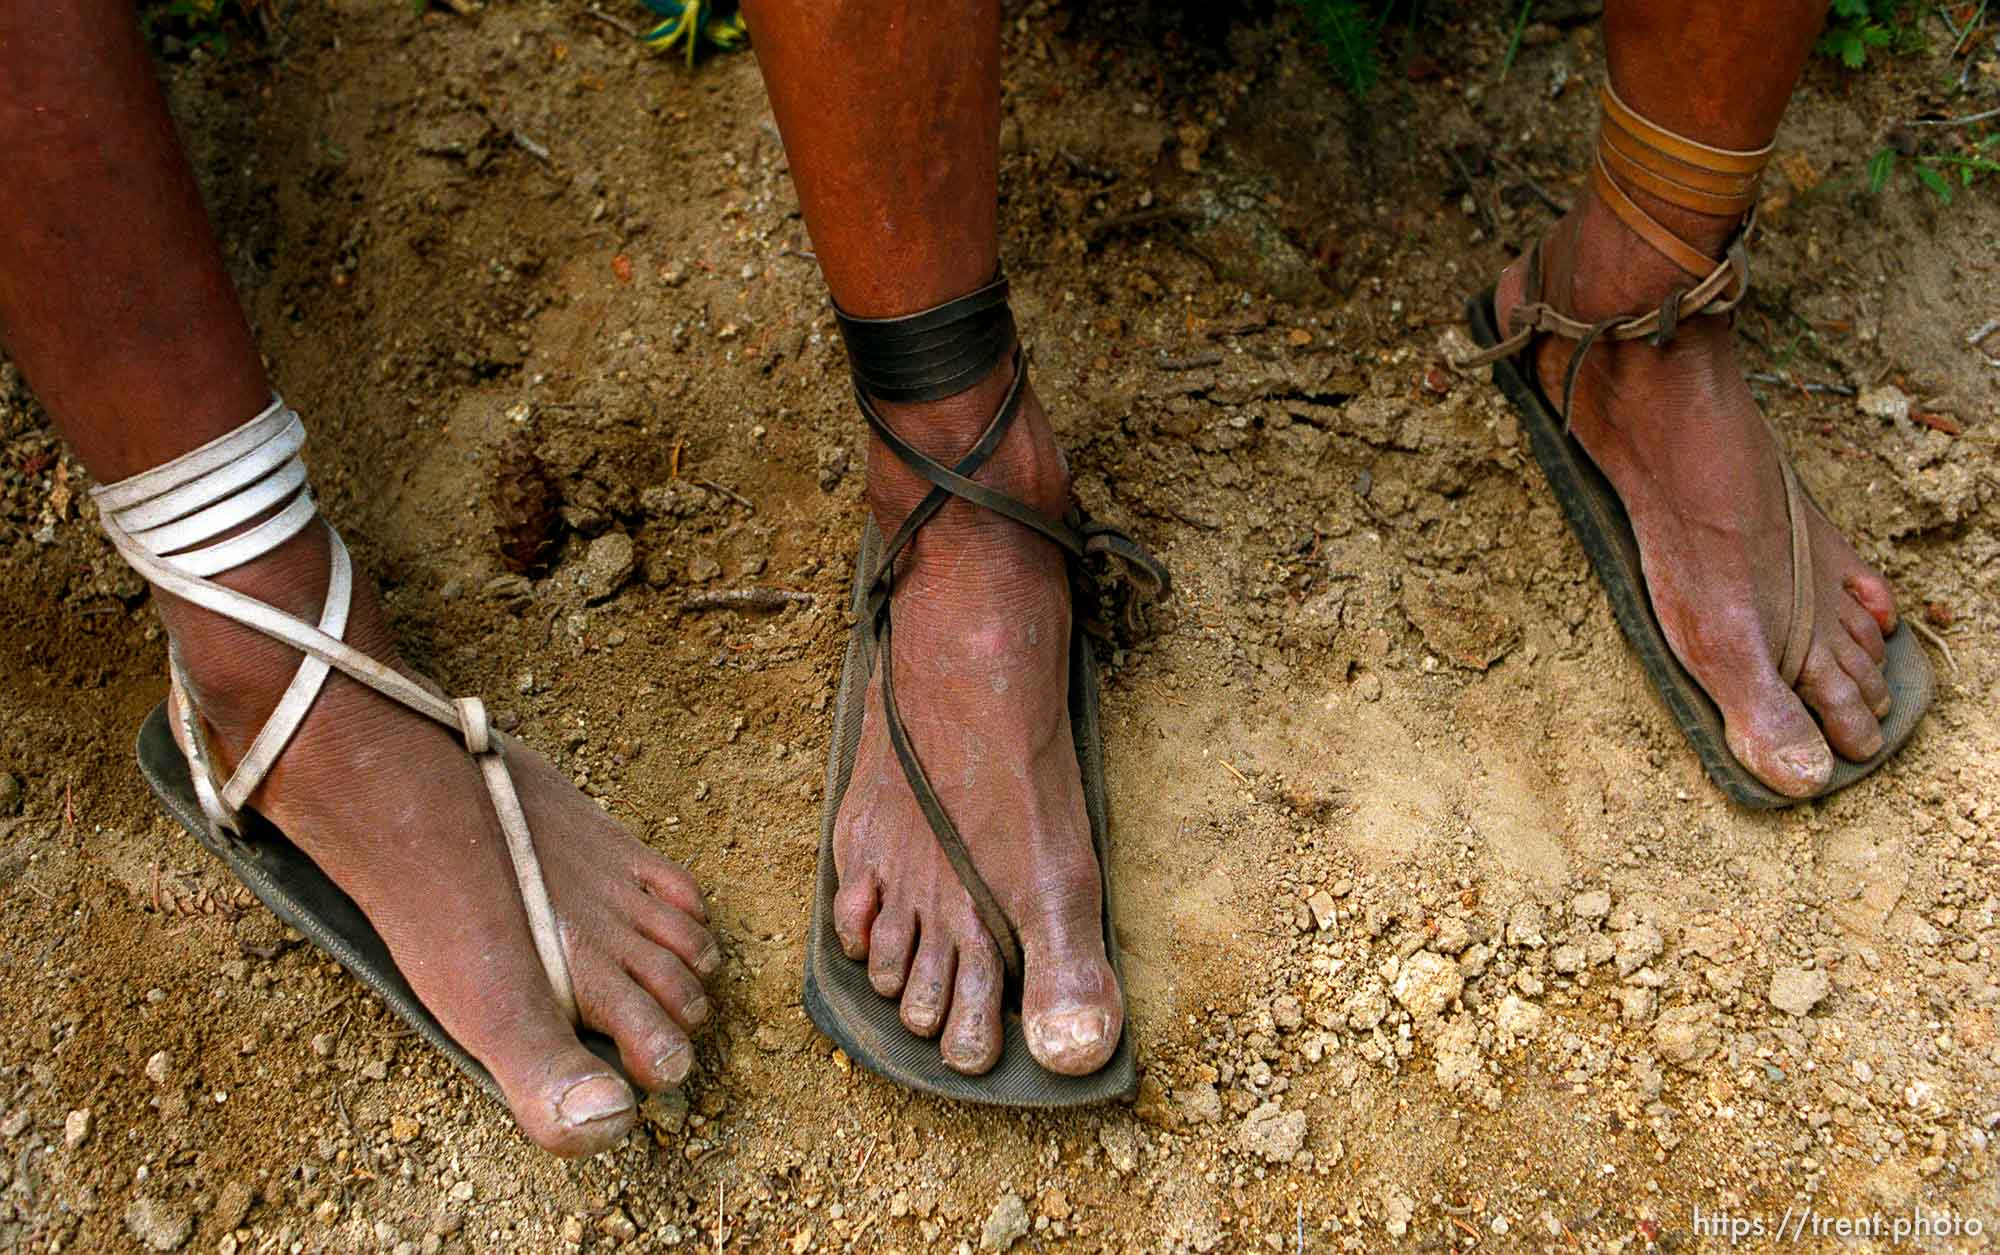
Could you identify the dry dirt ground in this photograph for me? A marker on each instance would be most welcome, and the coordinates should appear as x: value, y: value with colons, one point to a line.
x: 1438, y: 937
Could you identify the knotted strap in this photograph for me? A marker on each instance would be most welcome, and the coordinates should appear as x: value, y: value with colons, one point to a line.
x: 906, y: 353
x: 1634, y: 152
x: 172, y: 524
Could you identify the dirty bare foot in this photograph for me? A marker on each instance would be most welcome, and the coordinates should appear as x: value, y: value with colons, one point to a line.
x: 1679, y: 436
x: 392, y: 808
x: 982, y: 630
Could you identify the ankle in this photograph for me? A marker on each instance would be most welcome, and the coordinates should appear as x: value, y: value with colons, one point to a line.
x: 1027, y: 464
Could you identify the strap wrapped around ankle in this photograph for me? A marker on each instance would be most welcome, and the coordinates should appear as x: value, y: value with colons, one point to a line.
x: 934, y: 353
x: 170, y: 523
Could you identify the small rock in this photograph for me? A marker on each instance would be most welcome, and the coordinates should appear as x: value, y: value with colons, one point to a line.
x: 461, y: 1192
x: 508, y: 590
x: 1887, y: 402
x: 1635, y: 1003
x: 231, y: 1206
x: 1594, y: 904
x: 16, y: 1124
x: 376, y: 1070
x: 76, y: 1128
x: 1567, y: 960
x: 1287, y: 1014
x: 833, y: 461
x: 1686, y: 1035
x: 1151, y: 1104
x: 1325, y: 915
x: 1524, y: 926
x: 10, y: 793
x: 322, y: 1045
x: 159, y: 1067
x: 1517, y: 1017
x: 405, y: 1128
x: 158, y: 1226
x: 666, y: 1111
x: 1398, y: 1209
x: 1201, y: 1102
x: 1427, y: 984
x: 1638, y: 946
x: 1273, y: 1133
x: 1453, y: 936
x: 1007, y: 1224
x: 702, y: 568
x: 1796, y: 991
x: 607, y: 564
x: 1121, y: 1146
x: 899, y: 1205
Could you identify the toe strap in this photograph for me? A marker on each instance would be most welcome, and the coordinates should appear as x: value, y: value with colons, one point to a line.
x: 1798, y: 637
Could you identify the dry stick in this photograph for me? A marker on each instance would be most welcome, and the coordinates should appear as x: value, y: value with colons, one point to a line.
x: 746, y: 599
x: 1936, y: 640
x: 1472, y: 188
x: 1967, y: 120
x: 621, y: 27
x: 1138, y: 218
x: 537, y: 151
x: 739, y: 500
x: 1836, y: 389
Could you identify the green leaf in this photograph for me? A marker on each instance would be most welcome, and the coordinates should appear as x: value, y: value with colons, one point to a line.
x: 1850, y: 8
x: 1351, y: 39
x: 1880, y: 167
x: 1936, y: 182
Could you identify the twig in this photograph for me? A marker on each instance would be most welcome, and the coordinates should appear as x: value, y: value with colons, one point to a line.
x: 1834, y: 389
x: 1967, y: 120
x: 1194, y: 361
x: 712, y: 486
x: 1232, y: 771
x: 1936, y: 640
x: 746, y: 599
x: 1471, y: 187
x: 806, y: 254
x: 623, y: 28
x: 1553, y: 205
x: 537, y: 151
x: 1138, y: 218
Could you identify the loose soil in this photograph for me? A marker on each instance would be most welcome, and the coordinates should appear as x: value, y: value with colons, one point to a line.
x: 1438, y: 937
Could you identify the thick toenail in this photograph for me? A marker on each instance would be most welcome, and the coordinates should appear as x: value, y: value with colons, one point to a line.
x: 696, y: 1011
x: 593, y: 1100
x: 710, y: 960
x: 1063, y: 1034
x: 1808, y: 762
x: 673, y: 1066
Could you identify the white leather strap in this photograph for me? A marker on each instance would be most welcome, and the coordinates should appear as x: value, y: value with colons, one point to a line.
x: 170, y: 522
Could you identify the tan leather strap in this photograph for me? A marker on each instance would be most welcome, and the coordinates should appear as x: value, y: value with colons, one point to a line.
x: 1633, y: 152
x: 171, y: 524
x: 1798, y: 637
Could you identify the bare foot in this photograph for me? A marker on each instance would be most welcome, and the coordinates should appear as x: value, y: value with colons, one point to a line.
x: 982, y: 631
x: 392, y: 808
x: 1679, y: 436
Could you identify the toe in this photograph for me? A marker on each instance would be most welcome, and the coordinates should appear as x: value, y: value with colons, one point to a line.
x: 670, y: 982
x: 1866, y: 672
x: 1772, y: 735
x: 654, y: 1049
x: 1876, y: 597
x: 1071, y: 1010
x: 971, y: 1042
x: 890, y: 942
x: 1862, y: 628
x: 1850, y: 726
x: 926, y: 995
x: 564, y: 1097
x: 667, y: 925
x: 854, y: 910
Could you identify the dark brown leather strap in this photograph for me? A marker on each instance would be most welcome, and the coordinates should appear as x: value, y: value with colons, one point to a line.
x: 933, y: 353
x: 1079, y: 540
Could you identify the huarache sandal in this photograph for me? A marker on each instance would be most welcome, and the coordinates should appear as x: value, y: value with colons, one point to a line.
x: 171, y: 524
x: 923, y: 357
x: 1631, y: 151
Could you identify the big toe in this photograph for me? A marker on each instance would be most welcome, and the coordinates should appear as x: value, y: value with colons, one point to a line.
x: 1772, y: 735
x: 1072, y: 1016
x: 566, y: 1099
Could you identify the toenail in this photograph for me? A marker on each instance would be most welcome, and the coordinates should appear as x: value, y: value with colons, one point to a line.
x: 710, y: 960
x: 1065, y: 1033
x: 1808, y: 762
x: 674, y: 1065
x: 594, y: 1099
x: 696, y: 1010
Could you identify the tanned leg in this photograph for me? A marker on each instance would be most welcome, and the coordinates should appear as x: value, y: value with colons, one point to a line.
x: 890, y: 111
x: 1676, y: 430
x: 115, y: 305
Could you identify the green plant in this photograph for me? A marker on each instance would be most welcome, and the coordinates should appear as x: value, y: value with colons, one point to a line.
x: 1351, y: 37
x: 1856, y: 26
x: 1937, y: 172
x: 197, y: 23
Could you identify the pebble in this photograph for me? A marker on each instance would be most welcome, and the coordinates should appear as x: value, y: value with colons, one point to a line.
x: 1453, y: 936
x: 1595, y: 904
x: 322, y: 1045
x: 1638, y: 946
x: 1272, y: 1133
x: 1686, y: 1035
x: 1796, y: 991
x: 1887, y: 402
x: 76, y: 1128
x: 159, y: 1067
x: 1325, y: 914
x: 158, y: 1226
x: 1517, y: 1017
x: 607, y: 564
x: 10, y: 793
x: 1201, y: 1101
x: 1007, y: 1224
x: 16, y: 1124
x: 231, y: 1206
x: 1427, y: 984
x: 1524, y: 926
x: 666, y: 1111
x: 1121, y: 1146
x: 1287, y: 1013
